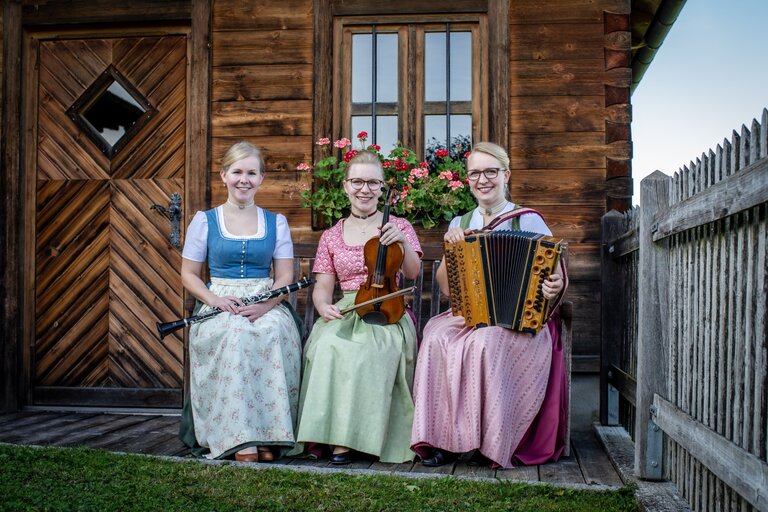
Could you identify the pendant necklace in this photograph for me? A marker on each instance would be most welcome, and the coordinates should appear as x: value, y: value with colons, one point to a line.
x: 241, y: 206
x: 493, y: 210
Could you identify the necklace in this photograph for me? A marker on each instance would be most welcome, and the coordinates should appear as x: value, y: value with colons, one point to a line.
x: 241, y: 206
x: 493, y: 210
x: 362, y: 217
x: 365, y: 226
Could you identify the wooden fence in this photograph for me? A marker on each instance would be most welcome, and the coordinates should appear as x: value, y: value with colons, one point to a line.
x: 684, y: 355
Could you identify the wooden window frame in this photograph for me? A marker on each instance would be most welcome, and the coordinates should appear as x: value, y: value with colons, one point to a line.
x: 495, y: 91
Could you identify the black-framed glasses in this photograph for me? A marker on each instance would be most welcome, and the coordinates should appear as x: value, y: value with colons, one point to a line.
x: 490, y: 173
x: 357, y: 184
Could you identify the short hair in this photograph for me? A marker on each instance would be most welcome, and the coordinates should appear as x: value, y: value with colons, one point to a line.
x: 365, y: 157
x: 241, y: 150
x: 496, y: 151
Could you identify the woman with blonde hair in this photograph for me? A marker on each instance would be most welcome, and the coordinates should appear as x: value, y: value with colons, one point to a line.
x: 491, y: 390
x: 244, y: 363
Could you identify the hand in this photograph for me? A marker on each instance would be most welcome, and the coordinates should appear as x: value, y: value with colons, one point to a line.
x: 391, y: 234
x: 552, y: 286
x: 254, y: 311
x: 228, y: 303
x: 329, y: 312
x: 454, y: 235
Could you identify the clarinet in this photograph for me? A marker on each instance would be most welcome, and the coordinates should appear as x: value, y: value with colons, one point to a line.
x: 166, y: 328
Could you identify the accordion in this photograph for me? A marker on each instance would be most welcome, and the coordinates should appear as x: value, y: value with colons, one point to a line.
x: 495, y: 278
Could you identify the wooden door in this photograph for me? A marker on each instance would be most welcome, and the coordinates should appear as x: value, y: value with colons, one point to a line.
x: 105, y: 269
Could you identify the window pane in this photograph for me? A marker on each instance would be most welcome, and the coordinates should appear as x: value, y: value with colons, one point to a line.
x: 386, y: 133
x: 434, y: 66
x: 361, y: 124
x: 434, y: 131
x: 461, y: 66
x: 362, y: 68
x: 113, y: 113
x: 461, y: 135
x: 386, y: 68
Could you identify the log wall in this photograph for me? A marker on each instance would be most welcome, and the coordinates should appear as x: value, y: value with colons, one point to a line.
x: 568, y: 123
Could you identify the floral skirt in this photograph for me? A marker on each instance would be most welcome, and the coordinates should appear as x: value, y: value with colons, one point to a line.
x: 244, y: 376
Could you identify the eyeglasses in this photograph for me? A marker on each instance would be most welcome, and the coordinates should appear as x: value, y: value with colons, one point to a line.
x: 490, y: 173
x: 357, y: 184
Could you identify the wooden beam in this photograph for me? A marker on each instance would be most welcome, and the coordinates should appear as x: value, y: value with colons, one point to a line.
x: 740, y: 470
x: 741, y: 191
x: 653, y: 304
x: 624, y: 383
x: 611, y: 306
x: 624, y: 244
x: 365, y: 7
x: 96, y: 397
x: 104, y: 11
x: 11, y: 191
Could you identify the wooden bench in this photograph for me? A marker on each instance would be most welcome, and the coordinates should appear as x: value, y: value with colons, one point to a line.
x: 426, y: 302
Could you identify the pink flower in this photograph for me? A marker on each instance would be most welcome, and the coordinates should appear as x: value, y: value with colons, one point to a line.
x: 386, y: 164
x: 349, y: 154
x: 302, y: 167
x: 363, y: 136
x: 466, y: 155
x: 409, y: 204
x: 446, y: 175
x: 406, y: 153
x: 342, y: 143
x: 456, y: 185
x: 423, y: 164
x: 375, y: 147
x: 323, y: 142
x: 441, y: 153
x: 411, y: 179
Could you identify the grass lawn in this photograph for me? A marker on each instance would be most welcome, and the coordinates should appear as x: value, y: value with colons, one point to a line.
x: 84, y: 479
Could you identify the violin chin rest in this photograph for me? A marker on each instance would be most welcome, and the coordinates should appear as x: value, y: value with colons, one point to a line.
x: 375, y: 318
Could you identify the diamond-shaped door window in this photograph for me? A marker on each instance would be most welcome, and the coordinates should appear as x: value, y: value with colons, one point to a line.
x: 111, y: 111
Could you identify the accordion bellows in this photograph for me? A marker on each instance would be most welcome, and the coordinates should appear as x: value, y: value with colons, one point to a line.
x: 495, y: 278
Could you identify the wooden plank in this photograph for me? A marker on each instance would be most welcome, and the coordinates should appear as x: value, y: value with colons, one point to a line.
x: 593, y: 461
x: 261, y: 118
x: 104, y: 11
x: 547, y: 40
x: 624, y: 383
x: 132, y: 397
x: 388, y: 467
x: 742, y: 191
x: 25, y: 422
x: 519, y: 474
x: 576, y: 11
x: 584, y: 77
x: 739, y: 469
x: 626, y: 243
x: 652, y: 312
x: 581, y: 187
x: 245, y: 47
x: 470, y: 471
x: 262, y: 82
x: 126, y: 434
x: 46, y: 432
x: 557, y: 114
x: 111, y: 423
x: 498, y: 72
x: 566, y: 470
x: 365, y: 7
x: 153, y: 432
x: 262, y: 14
x: 577, y: 150
x: 613, y: 309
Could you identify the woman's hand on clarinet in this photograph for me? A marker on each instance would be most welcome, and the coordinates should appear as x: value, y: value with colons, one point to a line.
x: 391, y: 234
x: 228, y: 303
x: 454, y: 235
x: 254, y: 311
x: 329, y: 312
x: 552, y: 286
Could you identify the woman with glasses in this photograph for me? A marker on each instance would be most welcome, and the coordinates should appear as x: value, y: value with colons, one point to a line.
x: 491, y: 391
x: 356, y: 389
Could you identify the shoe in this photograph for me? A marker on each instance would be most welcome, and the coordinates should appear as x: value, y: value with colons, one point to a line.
x: 266, y: 455
x: 478, y: 459
x: 247, y: 457
x: 340, y: 459
x: 438, y: 458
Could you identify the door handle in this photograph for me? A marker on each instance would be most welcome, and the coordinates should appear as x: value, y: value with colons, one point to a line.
x: 173, y: 212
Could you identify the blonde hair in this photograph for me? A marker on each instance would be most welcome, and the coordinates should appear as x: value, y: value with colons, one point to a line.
x: 241, y: 150
x: 496, y: 151
x: 365, y: 157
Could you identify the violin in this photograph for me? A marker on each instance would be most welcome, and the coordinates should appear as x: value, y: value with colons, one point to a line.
x: 383, y: 263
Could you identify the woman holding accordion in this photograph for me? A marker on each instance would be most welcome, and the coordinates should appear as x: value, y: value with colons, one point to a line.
x: 491, y: 390
x: 245, y: 362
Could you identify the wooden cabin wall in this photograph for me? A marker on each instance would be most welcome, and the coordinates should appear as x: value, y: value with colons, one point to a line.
x: 569, y: 123
x: 568, y: 119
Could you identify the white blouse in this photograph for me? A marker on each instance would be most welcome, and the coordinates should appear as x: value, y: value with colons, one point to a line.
x: 528, y: 221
